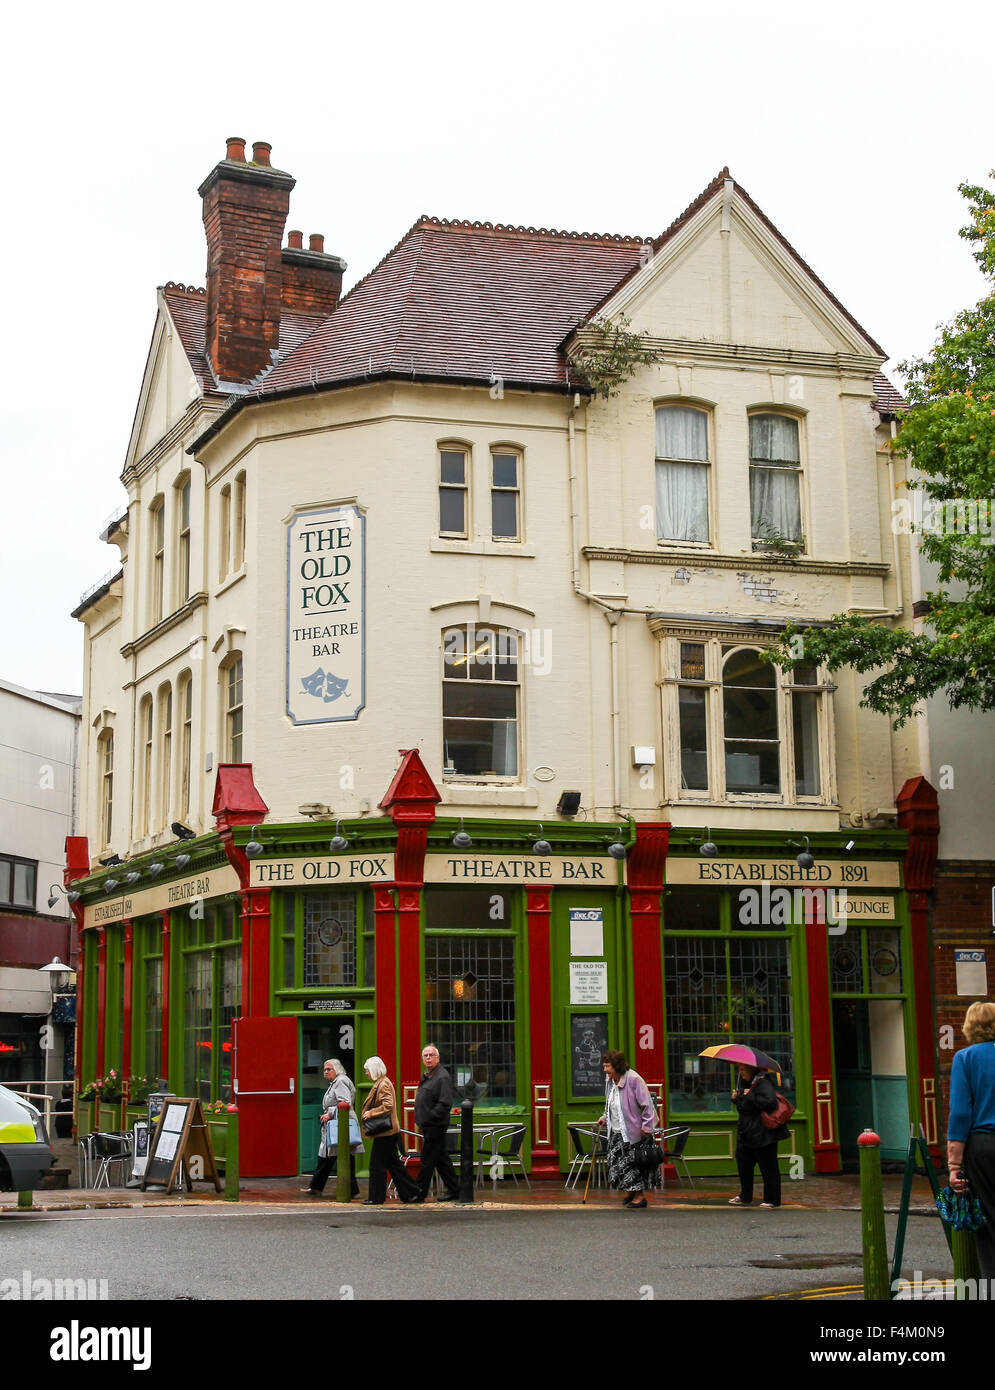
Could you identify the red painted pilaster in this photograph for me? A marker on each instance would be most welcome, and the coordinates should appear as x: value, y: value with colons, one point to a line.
x: 545, y: 1156
x: 386, y: 978
x: 128, y: 933
x: 165, y: 994
x: 918, y: 813
x: 256, y: 925
x: 77, y: 866
x: 410, y: 799
x: 101, y: 995
x: 825, y: 1140
x: 644, y: 874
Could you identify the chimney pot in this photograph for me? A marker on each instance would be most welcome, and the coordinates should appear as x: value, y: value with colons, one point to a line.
x: 261, y: 153
x: 236, y: 148
x: 295, y: 240
x: 316, y: 242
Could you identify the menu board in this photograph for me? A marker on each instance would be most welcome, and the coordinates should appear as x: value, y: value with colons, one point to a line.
x: 588, y: 1040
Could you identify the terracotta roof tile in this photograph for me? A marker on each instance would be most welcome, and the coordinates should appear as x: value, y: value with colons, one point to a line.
x: 463, y: 300
x: 889, y: 400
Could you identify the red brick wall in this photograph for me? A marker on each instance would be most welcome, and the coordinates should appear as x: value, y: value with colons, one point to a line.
x: 311, y: 289
x: 961, y: 919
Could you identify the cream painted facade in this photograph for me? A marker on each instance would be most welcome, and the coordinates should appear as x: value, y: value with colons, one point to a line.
x: 740, y: 326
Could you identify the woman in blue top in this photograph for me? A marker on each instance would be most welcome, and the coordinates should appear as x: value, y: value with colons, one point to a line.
x: 971, y: 1126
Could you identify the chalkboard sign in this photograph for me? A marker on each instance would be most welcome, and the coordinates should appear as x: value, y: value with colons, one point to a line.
x: 180, y: 1137
x: 588, y: 1040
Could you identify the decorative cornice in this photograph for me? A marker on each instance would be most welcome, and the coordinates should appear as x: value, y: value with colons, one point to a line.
x: 683, y: 559
x: 146, y: 639
x: 162, y: 446
x: 689, y: 349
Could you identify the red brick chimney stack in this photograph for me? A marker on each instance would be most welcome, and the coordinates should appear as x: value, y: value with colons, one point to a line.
x: 312, y: 279
x: 245, y: 211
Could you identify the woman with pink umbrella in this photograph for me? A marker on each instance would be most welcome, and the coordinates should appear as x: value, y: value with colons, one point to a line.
x: 757, y: 1137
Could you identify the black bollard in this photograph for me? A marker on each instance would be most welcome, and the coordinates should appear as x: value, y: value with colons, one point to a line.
x: 466, y: 1152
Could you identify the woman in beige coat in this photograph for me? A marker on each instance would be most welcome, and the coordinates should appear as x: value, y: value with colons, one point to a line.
x: 384, y: 1157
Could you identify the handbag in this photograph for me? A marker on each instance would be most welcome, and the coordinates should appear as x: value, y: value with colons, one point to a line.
x: 377, y: 1124
x: 960, y: 1210
x: 647, y: 1153
x: 780, y: 1115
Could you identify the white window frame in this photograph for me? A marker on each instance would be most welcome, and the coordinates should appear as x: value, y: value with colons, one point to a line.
x: 716, y: 794
x: 184, y: 504
x: 503, y: 635
x: 508, y: 451
x: 703, y: 408
x: 758, y: 543
x: 456, y: 446
x: 157, y: 556
x: 228, y: 710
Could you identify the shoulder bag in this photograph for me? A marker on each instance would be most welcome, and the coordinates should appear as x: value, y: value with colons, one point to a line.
x: 779, y: 1116
x: 377, y: 1124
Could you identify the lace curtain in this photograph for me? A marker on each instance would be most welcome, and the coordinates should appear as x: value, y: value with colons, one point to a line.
x: 681, y: 487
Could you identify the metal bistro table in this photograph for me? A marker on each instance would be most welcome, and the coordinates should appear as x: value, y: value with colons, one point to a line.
x: 491, y: 1132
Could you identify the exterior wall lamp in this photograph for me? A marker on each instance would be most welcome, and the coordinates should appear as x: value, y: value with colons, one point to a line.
x: 461, y: 839
x: 708, y: 847
x: 542, y: 845
x: 338, y: 841
x: 253, y: 847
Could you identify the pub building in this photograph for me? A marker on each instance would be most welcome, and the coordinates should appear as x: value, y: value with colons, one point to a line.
x: 399, y: 520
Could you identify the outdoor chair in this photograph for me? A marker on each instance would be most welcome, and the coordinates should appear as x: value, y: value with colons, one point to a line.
x: 674, y: 1141
x: 110, y: 1149
x: 511, y: 1157
x: 583, y: 1155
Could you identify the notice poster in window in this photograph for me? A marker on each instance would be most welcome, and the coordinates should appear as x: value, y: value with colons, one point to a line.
x: 587, y: 931
x: 588, y: 1040
x: 326, y: 614
x: 588, y: 982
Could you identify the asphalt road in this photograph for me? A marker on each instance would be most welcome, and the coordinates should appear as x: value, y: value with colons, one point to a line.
x: 208, y: 1253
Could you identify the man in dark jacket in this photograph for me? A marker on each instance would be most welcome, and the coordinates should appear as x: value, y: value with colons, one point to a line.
x: 433, y: 1102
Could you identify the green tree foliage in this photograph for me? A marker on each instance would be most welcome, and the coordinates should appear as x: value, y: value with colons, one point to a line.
x: 948, y: 439
x: 608, y: 354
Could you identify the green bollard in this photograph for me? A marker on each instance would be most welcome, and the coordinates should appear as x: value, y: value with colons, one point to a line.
x: 965, y: 1252
x: 231, y: 1156
x: 25, y: 1200
x: 343, y: 1170
x: 873, y: 1237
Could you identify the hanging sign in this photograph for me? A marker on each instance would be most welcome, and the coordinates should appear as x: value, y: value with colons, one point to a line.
x: 326, y: 614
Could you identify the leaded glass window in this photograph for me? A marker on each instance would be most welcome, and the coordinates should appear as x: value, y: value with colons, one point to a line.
x: 470, y: 1010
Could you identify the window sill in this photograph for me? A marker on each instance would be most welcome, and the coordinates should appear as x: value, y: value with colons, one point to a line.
x: 473, y: 794
x: 441, y: 546
x: 230, y: 582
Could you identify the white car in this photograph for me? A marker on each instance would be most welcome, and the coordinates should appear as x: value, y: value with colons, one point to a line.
x: 25, y: 1153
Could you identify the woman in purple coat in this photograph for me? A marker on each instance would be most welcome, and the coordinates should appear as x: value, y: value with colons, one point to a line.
x: 629, y: 1116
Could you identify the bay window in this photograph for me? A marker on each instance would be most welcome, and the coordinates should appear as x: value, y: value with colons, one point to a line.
x: 736, y: 726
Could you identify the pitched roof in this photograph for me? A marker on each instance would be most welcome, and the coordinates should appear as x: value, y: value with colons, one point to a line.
x: 188, y: 310
x: 457, y: 300
x: 463, y: 300
x: 889, y: 400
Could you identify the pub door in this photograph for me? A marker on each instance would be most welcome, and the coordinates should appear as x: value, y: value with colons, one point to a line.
x: 320, y: 1039
x: 871, y: 1082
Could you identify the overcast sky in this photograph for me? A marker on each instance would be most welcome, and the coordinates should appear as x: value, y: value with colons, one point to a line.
x: 850, y: 125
